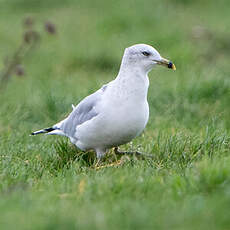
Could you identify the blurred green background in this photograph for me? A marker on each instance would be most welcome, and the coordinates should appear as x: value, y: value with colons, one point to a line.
x: 46, y: 184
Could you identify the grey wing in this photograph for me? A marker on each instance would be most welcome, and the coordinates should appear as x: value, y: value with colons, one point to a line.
x: 83, y: 112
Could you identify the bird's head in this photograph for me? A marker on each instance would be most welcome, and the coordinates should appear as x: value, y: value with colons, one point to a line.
x: 145, y: 57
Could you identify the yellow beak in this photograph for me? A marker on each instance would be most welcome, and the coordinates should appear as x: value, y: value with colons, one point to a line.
x: 166, y: 63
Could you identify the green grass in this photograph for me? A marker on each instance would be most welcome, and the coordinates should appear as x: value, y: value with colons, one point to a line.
x: 45, y: 183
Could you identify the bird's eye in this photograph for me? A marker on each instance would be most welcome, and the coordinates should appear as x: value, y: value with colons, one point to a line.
x: 145, y: 53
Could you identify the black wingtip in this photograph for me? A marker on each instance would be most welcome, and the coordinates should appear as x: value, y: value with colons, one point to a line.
x: 42, y: 131
x: 49, y: 129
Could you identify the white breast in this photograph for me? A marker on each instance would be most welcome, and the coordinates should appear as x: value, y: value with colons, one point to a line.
x: 125, y: 115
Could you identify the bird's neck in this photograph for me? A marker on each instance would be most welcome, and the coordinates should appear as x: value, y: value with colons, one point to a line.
x: 133, y: 82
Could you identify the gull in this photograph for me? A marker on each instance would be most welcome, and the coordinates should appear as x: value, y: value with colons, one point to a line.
x: 118, y: 111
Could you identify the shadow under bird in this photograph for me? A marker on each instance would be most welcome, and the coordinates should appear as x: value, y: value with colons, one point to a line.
x: 119, y: 111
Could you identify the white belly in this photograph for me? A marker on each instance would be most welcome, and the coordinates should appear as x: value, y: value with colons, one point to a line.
x: 117, y: 126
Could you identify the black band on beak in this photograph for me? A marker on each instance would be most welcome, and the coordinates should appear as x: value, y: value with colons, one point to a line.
x: 170, y: 65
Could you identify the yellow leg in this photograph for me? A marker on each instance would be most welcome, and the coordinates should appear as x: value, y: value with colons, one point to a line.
x: 144, y: 155
x: 117, y: 163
